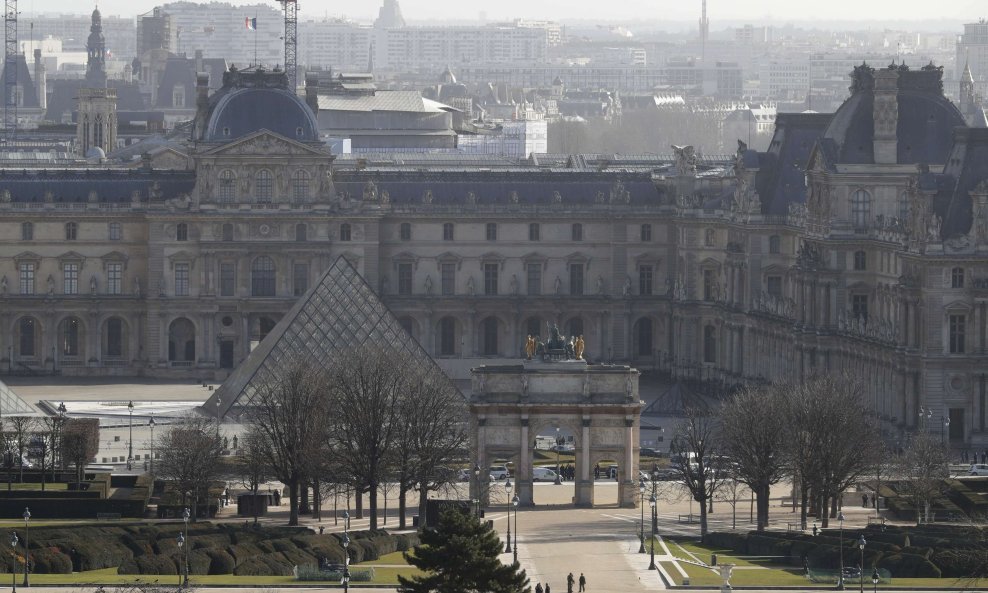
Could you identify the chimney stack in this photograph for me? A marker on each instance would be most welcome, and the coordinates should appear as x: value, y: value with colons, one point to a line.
x: 199, y: 61
x: 886, y: 116
x: 311, y: 94
x: 202, y: 103
x: 39, y: 80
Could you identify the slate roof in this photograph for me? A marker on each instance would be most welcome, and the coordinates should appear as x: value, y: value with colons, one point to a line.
x: 182, y: 71
x: 64, y: 97
x: 781, y: 179
x: 24, y: 79
x: 967, y: 166
x: 111, y: 186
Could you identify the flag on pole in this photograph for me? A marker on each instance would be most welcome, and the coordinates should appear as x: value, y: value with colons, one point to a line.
x: 250, y: 23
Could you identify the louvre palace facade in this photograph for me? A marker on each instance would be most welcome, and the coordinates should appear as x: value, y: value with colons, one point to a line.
x: 857, y: 242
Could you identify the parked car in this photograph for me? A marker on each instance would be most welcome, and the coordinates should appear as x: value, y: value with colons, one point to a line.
x: 563, y: 448
x: 465, y: 475
x: 499, y: 472
x: 543, y: 474
x: 650, y: 452
x: 978, y: 469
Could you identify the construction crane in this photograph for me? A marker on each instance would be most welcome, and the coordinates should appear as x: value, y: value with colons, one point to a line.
x: 10, y: 70
x: 291, y: 42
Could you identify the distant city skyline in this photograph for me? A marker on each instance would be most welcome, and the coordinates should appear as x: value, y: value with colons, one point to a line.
x: 644, y: 11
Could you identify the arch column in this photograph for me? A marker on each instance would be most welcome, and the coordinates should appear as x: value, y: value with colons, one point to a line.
x: 627, y: 490
x: 584, y: 484
x: 523, y: 477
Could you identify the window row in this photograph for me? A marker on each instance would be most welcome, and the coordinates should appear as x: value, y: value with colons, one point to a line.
x: 491, y: 231
x: 263, y: 278
x: 71, y: 231
x: 263, y: 186
x: 27, y: 279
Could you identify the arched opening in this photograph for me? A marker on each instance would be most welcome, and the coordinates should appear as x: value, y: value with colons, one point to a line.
x: 535, y: 327
x: 447, y: 337
x: 264, y: 327
x: 262, y: 277
x: 70, y: 337
x: 27, y: 338
x: 181, y: 341
x: 643, y: 337
x: 554, y: 463
x: 114, y: 338
x: 574, y: 327
x: 489, y: 328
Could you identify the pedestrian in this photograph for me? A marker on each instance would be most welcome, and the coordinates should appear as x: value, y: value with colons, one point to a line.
x: 547, y: 587
x: 814, y: 529
x: 583, y: 583
x: 569, y: 583
x: 538, y: 587
x: 320, y: 529
x: 864, y: 500
x: 596, y: 471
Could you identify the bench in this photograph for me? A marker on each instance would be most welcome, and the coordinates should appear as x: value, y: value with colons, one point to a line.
x: 686, y: 518
x: 107, y: 516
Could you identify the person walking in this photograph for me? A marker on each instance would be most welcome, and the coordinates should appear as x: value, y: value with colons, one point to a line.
x: 538, y: 587
x: 583, y: 583
x: 547, y: 587
x: 569, y: 583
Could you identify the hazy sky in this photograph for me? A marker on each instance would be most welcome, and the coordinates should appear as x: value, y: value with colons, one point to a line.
x: 627, y: 10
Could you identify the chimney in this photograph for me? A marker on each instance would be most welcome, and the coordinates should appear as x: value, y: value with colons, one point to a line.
x: 199, y: 61
x: 311, y: 94
x: 202, y: 103
x: 39, y: 80
x: 886, y: 116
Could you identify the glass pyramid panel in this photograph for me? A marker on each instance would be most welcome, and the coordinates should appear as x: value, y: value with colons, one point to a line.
x: 12, y: 405
x: 338, y: 314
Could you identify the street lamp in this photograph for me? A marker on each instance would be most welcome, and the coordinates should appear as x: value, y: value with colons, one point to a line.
x: 875, y: 578
x: 944, y: 428
x: 840, y: 577
x: 180, y: 541
x: 558, y: 482
x: 13, y: 573
x: 641, y: 531
x: 651, y: 503
x: 130, y: 441
x: 514, y: 503
x: 151, y: 426
x: 345, y: 581
x: 476, y: 500
x: 27, y: 548
x: 861, y: 546
x: 507, y: 488
x: 185, y: 518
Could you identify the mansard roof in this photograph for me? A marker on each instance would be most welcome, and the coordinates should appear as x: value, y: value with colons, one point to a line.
x: 111, y: 186
x: 967, y: 167
x: 781, y: 178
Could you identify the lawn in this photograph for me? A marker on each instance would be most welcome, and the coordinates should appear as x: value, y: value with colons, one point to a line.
x: 109, y: 576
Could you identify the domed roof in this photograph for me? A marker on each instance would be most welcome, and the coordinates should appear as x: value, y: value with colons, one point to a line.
x: 253, y: 100
x: 925, y: 119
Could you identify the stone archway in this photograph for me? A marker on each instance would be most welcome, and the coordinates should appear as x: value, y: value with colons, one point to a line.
x: 598, y: 404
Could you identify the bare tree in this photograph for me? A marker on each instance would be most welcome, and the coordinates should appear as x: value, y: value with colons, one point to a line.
x: 752, y: 435
x: 190, y: 457
x: 923, y: 467
x: 80, y: 443
x: 252, y: 464
x: 21, y: 428
x: 39, y: 448
x: 731, y: 490
x: 288, y: 415
x: 695, y: 446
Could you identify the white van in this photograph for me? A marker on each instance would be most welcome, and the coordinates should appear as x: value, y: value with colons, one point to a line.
x: 543, y: 474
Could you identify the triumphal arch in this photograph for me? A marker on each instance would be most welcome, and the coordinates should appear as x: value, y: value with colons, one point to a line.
x: 597, y: 404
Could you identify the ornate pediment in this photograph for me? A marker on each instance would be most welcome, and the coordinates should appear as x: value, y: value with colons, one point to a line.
x: 114, y: 257
x: 27, y: 256
x: 72, y: 257
x: 265, y: 143
x: 492, y: 257
x: 182, y: 257
x: 406, y: 257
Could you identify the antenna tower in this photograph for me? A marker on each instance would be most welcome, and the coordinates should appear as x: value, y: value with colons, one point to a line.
x: 10, y: 70
x: 704, y: 31
x: 291, y: 42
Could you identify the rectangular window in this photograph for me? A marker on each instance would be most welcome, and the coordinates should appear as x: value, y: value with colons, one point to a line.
x: 448, y: 272
x: 405, y: 279
x: 577, y: 232
x: 228, y: 279
x: 27, y: 278
x: 534, y: 272
x: 114, y: 278
x: 709, y: 288
x: 447, y: 231
x: 646, y: 233
x: 492, y: 231
x: 70, y: 279
x: 116, y: 231
x: 490, y: 279
x: 576, y: 279
x: 957, y: 334
x: 645, y: 275
x: 300, y: 279
x: 534, y: 232
x: 181, y: 279
x: 859, y: 306
x: 773, y: 286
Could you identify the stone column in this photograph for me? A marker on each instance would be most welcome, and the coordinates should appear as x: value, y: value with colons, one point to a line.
x: 627, y: 490
x: 480, y: 460
x: 523, y: 479
x: 584, y: 483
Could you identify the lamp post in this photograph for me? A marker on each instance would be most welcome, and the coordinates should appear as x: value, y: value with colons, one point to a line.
x: 130, y: 439
x: 13, y: 573
x: 558, y: 482
x: 185, y: 518
x: 507, y: 488
x: 476, y: 500
x: 151, y: 426
x: 945, y: 427
x: 345, y: 581
x: 57, y: 437
x: 861, y: 546
x: 180, y: 541
x: 874, y: 579
x: 514, y: 503
x: 651, y: 547
x: 641, y: 531
x: 27, y: 548
x: 840, y: 577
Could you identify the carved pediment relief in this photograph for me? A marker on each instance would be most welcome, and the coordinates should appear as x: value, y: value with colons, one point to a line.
x: 27, y: 256
x: 492, y: 257
x: 72, y: 257
x: 114, y: 257
x: 406, y: 257
x: 265, y: 143
x: 182, y: 257
x: 957, y: 307
x: 448, y: 257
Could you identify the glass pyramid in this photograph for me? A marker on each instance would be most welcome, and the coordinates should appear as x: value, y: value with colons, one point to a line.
x: 338, y: 314
x: 12, y: 405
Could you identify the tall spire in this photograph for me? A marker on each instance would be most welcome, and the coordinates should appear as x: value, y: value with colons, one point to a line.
x: 96, y: 48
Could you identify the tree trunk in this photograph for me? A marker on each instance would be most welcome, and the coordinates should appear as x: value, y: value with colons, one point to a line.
x: 804, y: 496
x: 373, y: 504
x: 256, y: 504
x: 317, y: 500
x: 293, y: 502
x: 402, y: 505
x: 423, y: 503
x: 304, y: 507
x: 823, y: 510
x: 358, y: 502
x: 703, y: 518
x: 762, y: 502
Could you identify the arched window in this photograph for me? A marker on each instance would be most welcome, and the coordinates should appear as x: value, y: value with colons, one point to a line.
x: 70, y: 337
x: 27, y: 329
x: 27, y: 231
x: 534, y: 327
x: 774, y: 244
x: 643, y: 335
x: 574, y: 327
x: 181, y: 341
x: 860, y: 209
x: 262, y: 277
x: 447, y: 336
x: 301, y: 232
x: 860, y: 260
x: 71, y: 231
x: 957, y: 278
x: 228, y: 186
x: 300, y: 186
x: 709, y: 343
x: 182, y: 232
x: 489, y: 328
x: 405, y: 231
x: 264, y: 327
x: 263, y: 187
x: 345, y: 231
